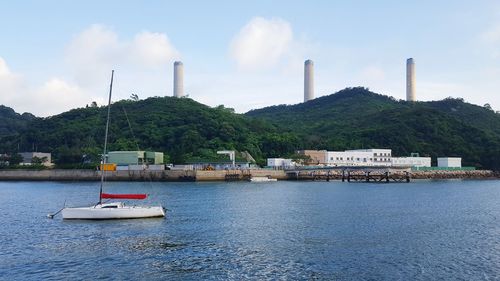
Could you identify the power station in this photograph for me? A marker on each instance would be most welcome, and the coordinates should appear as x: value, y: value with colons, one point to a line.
x: 178, y: 79
x: 308, y: 80
x: 410, y: 80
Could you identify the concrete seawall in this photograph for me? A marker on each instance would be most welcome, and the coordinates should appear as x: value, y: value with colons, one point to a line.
x: 474, y: 174
x: 219, y: 175
x: 166, y: 175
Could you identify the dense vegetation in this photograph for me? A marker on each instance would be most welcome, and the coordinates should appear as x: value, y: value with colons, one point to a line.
x: 182, y: 128
x: 185, y: 130
x: 11, y: 122
x: 358, y: 118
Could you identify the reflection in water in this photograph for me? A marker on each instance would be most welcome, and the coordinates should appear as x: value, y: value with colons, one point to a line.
x: 283, y: 230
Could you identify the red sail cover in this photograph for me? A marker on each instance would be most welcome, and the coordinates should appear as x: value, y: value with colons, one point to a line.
x: 123, y: 196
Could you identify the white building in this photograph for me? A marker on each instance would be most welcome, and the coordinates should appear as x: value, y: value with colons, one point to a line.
x: 411, y: 161
x: 30, y: 158
x: 349, y: 158
x: 450, y: 162
x: 359, y: 157
x: 280, y: 162
x: 381, y: 157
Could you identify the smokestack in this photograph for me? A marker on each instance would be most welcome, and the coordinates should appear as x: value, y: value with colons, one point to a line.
x: 410, y: 80
x: 178, y: 79
x: 308, y: 80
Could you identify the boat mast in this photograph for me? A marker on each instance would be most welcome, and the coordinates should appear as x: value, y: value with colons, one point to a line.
x: 103, y: 170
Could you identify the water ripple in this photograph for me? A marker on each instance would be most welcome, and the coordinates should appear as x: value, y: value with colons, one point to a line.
x: 285, y: 231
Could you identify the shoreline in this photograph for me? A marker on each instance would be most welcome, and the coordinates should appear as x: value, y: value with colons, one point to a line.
x: 218, y: 175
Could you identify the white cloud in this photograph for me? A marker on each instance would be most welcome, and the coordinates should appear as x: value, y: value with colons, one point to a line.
x: 10, y: 84
x: 95, y: 51
x: 153, y: 49
x: 261, y: 43
x: 90, y: 57
x: 4, y: 69
x: 56, y: 94
x: 53, y: 97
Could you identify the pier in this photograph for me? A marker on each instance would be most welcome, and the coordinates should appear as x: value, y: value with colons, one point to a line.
x: 352, y: 174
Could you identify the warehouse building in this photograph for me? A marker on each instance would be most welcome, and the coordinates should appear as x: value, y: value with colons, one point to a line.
x: 42, y: 158
x: 357, y: 157
x: 280, y: 163
x: 135, y: 157
x: 449, y: 162
x: 411, y: 161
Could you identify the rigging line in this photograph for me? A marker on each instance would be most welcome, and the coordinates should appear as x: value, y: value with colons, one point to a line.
x: 136, y: 144
x: 131, y: 130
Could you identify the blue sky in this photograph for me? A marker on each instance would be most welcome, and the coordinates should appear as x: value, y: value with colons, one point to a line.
x: 57, y: 55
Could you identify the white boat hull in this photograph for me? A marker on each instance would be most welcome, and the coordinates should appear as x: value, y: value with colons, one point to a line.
x: 262, y: 179
x: 99, y: 212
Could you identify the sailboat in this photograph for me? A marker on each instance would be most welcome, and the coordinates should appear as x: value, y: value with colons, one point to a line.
x: 112, y: 210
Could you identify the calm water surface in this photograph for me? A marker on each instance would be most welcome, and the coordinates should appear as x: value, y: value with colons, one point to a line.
x: 424, y: 230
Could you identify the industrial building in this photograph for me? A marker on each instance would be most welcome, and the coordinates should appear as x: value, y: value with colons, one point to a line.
x: 381, y: 157
x: 125, y: 158
x: 280, y: 163
x: 316, y: 157
x: 358, y: 157
x: 412, y: 161
x: 44, y: 158
x: 449, y: 162
x: 349, y: 158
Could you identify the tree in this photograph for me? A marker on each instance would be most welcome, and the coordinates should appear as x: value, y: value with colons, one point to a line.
x: 38, y: 160
x: 15, y: 159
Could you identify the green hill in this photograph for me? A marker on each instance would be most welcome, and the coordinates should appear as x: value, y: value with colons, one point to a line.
x: 11, y: 122
x: 357, y: 118
x: 184, y: 129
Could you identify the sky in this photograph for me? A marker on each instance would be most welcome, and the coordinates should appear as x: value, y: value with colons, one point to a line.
x: 58, y: 55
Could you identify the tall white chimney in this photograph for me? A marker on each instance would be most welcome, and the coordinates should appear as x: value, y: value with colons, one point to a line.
x: 308, y: 80
x: 178, y: 79
x: 410, y: 80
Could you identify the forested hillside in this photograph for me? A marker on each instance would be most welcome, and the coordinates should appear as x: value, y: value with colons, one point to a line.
x: 11, y: 122
x: 184, y: 129
x: 357, y: 118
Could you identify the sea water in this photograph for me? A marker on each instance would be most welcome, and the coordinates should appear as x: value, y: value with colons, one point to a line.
x: 423, y: 230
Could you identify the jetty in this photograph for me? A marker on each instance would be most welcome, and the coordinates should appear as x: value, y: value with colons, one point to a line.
x: 352, y: 173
